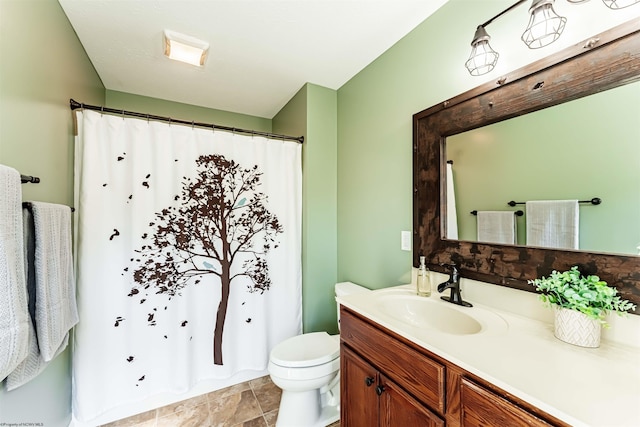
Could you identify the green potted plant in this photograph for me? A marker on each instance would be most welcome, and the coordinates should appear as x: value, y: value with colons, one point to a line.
x: 581, y: 304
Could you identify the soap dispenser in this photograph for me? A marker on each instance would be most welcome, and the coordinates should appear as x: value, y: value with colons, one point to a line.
x: 424, y: 281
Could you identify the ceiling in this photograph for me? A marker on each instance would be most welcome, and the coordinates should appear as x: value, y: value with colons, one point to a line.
x: 261, y: 51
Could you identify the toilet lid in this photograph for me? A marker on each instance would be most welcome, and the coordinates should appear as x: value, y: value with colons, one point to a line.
x: 309, y: 349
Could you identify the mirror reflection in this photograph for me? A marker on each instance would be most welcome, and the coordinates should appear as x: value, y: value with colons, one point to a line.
x: 579, y: 150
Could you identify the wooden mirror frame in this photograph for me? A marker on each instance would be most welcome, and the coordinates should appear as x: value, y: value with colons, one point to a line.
x: 606, y: 61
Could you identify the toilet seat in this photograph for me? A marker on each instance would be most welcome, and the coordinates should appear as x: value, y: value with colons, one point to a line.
x: 306, y: 350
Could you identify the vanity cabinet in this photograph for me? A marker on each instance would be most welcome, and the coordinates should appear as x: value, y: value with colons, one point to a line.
x: 481, y: 407
x: 375, y: 400
x: 386, y: 380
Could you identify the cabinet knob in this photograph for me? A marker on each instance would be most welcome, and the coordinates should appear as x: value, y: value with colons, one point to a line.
x: 380, y: 390
x: 368, y: 381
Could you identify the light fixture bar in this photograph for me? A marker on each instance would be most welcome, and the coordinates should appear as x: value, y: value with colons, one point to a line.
x: 513, y: 6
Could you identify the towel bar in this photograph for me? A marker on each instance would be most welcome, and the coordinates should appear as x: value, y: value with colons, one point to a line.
x: 594, y: 201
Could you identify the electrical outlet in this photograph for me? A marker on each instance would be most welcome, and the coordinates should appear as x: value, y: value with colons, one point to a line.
x: 405, y: 240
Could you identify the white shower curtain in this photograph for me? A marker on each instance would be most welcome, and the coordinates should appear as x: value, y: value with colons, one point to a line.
x: 188, y: 257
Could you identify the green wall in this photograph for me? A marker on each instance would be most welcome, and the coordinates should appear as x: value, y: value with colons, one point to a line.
x: 375, y: 110
x: 177, y: 110
x: 42, y: 66
x: 312, y: 113
x: 565, y: 154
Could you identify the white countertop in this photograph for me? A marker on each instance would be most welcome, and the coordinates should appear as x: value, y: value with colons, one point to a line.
x: 581, y: 386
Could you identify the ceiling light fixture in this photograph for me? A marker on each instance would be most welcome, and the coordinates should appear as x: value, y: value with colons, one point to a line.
x: 545, y: 25
x: 185, y: 48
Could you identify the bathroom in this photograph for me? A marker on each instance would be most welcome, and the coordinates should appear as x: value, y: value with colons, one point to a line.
x: 357, y: 160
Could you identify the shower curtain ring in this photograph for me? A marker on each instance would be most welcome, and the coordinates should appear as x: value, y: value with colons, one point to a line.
x: 101, y: 110
x: 193, y: 124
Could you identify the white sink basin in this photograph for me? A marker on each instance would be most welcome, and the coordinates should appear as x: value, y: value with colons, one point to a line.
x: 435, y: 314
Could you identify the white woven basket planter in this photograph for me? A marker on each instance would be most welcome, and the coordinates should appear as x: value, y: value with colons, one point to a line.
x: 576, y: 328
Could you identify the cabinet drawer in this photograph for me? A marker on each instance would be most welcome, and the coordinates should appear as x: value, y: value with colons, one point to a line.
x: 481, y: 407
x: 410, y: 369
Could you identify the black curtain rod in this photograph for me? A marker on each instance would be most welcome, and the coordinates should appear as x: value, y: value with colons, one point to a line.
x: 516, y: 213
x: 26, y: 178
x: 594, y: 201
x: 75, y: 105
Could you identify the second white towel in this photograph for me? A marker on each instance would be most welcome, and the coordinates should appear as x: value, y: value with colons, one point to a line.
x: 56, y: 311
x: 553, y: 223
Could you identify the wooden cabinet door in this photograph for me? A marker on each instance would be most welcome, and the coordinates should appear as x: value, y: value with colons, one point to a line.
x: 358, y: 398
x: 399, y: 409
x: 481, y: 407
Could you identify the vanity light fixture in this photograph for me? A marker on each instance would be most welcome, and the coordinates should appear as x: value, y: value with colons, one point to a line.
x: 181, y: 47
x: 483, y: 58
x: 545, y: 25
x: 619, y: 4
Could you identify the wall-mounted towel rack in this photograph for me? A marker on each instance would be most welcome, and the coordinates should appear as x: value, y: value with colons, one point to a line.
x: 27, y: 178
x: 28, y: 206
x: 516, y: 213
x: 594, y: 201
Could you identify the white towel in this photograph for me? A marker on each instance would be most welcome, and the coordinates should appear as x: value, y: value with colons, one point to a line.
x: 34, y: 363
x: 553, y: 223
x: 14, y: 314
x: 497, y: 227
x: 56, y: 311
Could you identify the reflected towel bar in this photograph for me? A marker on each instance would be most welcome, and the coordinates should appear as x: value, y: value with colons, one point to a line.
x: 594, y: 201
x: 517, y: 213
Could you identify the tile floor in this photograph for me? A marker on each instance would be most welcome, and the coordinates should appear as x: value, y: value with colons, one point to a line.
x: 250, y: 404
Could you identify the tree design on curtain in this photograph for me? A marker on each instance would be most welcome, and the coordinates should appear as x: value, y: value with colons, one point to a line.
x: 221, y: 220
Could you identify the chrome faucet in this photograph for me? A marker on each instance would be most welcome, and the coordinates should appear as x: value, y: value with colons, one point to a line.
x: 454, y: 284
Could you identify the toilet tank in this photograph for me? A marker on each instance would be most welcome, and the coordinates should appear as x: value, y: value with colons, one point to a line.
x: 347, y: 288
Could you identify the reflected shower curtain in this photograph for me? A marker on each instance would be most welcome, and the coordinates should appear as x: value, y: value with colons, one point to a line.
x: 188, y: 257
x: 452, y: 212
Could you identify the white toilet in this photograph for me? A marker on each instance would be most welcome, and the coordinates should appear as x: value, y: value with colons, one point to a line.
x: 307, y: 369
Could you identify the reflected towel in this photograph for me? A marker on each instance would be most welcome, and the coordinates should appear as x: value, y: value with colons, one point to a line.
x: 14, y: 314
x: 55, y: 311
x: 497, y: 227
x: 553, y: 223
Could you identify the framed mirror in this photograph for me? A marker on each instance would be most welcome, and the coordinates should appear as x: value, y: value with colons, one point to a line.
x: 585, y: 150
x: 608, y: 61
